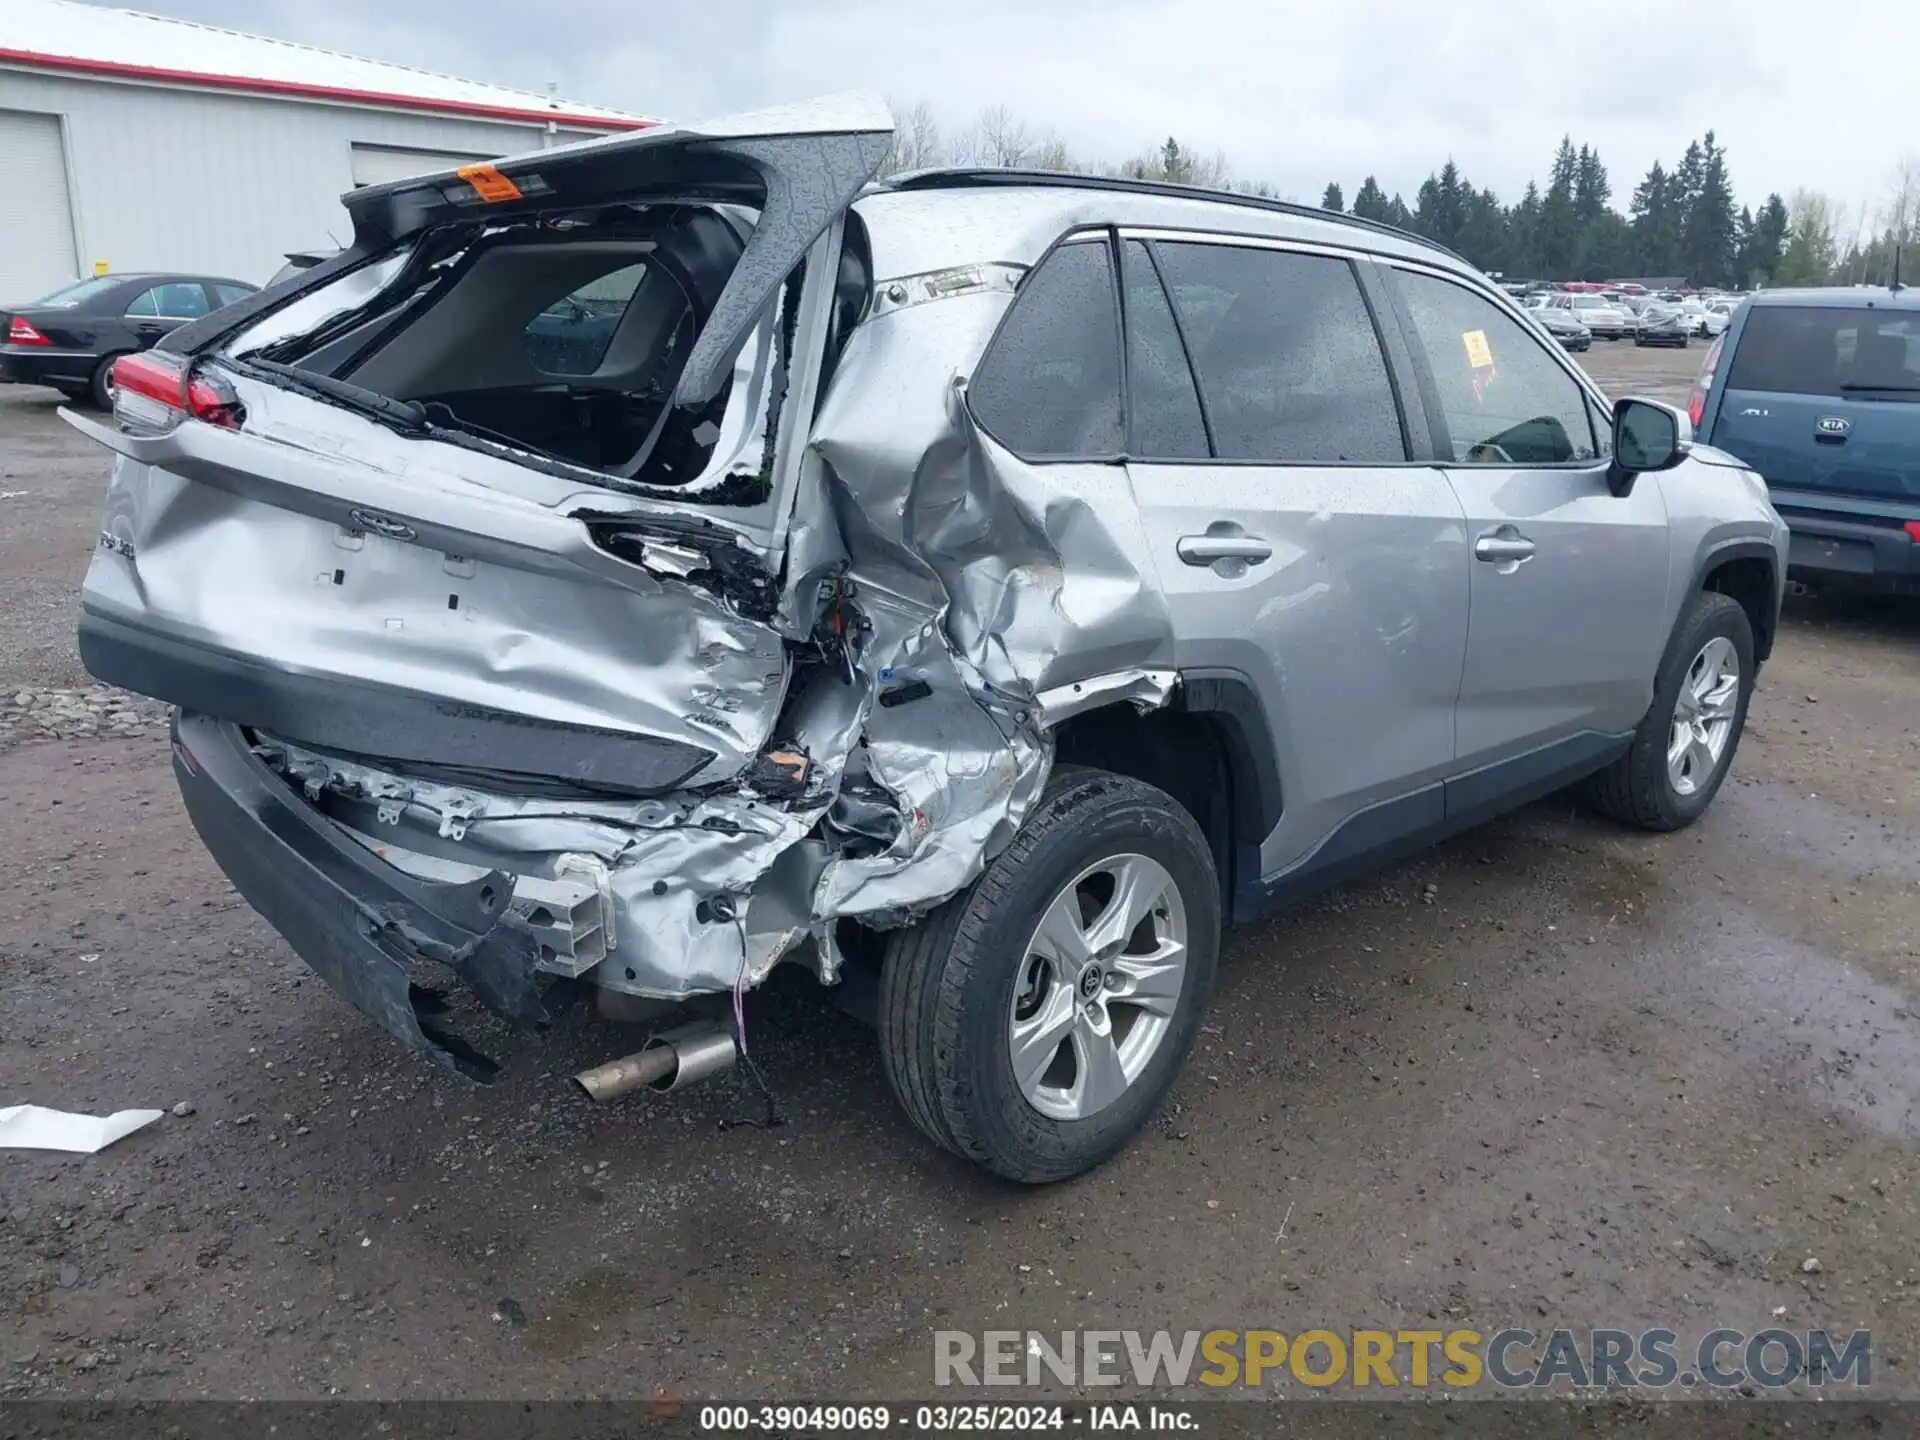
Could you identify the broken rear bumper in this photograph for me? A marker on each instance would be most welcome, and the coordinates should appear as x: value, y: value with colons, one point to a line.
x: 362, y: 924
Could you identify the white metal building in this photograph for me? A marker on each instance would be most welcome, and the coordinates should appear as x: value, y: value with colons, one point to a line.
x: 137, y: 142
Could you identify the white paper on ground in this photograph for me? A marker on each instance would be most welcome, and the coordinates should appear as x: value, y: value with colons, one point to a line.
x: 34, y: 1127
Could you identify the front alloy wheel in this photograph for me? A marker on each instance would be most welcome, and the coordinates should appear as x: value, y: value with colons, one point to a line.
x: 1684, y: 745
x: 1703, y: 715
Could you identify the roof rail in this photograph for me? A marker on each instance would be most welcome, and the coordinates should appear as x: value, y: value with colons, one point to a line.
x: 960, y: 176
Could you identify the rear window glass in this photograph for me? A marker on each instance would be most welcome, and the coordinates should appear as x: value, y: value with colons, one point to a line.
x: 567, y: 344
x: 80, y: 292
x: 1818, y: 350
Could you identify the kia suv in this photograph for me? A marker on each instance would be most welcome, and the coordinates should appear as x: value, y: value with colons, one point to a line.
x: 976, y: 585
x: 1819, y: 391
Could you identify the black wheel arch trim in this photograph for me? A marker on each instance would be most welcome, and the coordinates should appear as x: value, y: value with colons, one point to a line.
x: 1228, y: 698
x: 1743, y: 548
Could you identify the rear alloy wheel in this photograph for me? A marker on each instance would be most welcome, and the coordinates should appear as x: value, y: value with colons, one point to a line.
x: 1100, y: 982
x: 102, y: 384
x: 1035, y: 1022
x: 1684, y: 745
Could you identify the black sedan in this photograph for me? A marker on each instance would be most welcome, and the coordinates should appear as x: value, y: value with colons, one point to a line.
x: 1562, y: 326
x: 70, y: 339
x: 1662, y: 325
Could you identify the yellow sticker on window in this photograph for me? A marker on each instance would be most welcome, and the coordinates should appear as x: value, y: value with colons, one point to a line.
x: 489, y: 183
x: 1479, y: 353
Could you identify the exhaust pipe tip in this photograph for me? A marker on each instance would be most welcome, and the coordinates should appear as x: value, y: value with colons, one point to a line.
x: 667, y: 1062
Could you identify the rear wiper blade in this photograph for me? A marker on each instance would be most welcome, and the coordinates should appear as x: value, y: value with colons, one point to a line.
x: 439, y: 416
x: 369, y: 402
x: 1883, y: 389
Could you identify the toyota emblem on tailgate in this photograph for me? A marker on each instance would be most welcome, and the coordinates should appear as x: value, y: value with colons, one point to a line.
x: 386, y: 525
x: 1832, y: 425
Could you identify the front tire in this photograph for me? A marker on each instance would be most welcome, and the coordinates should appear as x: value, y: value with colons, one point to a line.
x: 1035, y: 1022
x: 1685, y: 743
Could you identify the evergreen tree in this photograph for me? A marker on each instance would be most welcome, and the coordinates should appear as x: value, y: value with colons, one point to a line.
x: 1809, y: 256
x: 1655, y: 218
x: 1332, y: 199
x: 1761, y: 256
x: 1707, y: 248
x: 1558, y: 223
x: 1590, y: 188
x: 1523, y: 236
x: 1370, y: 201
x: 1484, y: 237
x: 1440, y: 207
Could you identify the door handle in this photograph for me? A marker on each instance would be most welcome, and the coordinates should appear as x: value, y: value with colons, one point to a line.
x: 1207, y: 549
x: 1505, y: 546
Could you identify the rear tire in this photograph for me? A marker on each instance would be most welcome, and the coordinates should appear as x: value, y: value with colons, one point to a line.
x: 999, y: 976
x: 101, y: 387
x: 1704, y: 683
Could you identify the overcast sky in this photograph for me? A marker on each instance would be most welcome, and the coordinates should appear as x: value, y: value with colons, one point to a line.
x: 1295, y: 93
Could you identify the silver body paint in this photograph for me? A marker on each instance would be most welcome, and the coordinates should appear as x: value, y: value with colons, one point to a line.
x: 1017, y: 595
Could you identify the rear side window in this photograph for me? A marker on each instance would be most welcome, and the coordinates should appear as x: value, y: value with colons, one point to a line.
x: 1287, y: 355
x: 230, y: 294
x: 571, y: 336
x: 1163, y: 407
x: 1827, y: 351
x: 177, y: 300
x: 1050, y: 384
x: 1505, y: 401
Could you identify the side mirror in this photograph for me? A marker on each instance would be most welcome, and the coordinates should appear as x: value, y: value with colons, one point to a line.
x: 1647, y: 436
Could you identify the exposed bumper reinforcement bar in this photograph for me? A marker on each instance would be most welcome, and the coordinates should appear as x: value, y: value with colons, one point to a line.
x: 359, y: 922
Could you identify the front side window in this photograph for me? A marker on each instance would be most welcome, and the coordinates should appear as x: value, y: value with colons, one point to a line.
x: 1504, y: 400
x: 1287, y: 355
x: 1049, y: 386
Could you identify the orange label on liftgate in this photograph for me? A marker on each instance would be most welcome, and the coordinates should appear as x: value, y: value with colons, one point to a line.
x: 488, y: 183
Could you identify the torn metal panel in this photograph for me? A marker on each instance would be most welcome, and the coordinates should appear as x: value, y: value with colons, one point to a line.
x: 1143, y: 689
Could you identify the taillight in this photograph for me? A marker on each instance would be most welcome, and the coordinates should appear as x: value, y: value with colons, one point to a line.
x: 19, y: 332
x: 156, y: 391
x: 1703, y: 382
x: 1913, y: 529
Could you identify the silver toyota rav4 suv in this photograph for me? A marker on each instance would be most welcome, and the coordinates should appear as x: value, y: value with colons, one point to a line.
x: 631, y: 565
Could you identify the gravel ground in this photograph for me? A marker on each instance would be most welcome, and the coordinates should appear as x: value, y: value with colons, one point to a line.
x: 1553, y: 1072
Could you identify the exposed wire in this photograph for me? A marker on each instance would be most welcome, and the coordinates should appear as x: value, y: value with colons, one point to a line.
x: 773, y: 1118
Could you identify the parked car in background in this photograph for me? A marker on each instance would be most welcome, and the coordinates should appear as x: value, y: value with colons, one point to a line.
x: 1603, y: 318
x: 1819, y: 390
x: 1562, y: 326
x: 1720, y: 313
x: 70, y: 338
x: 660, y: 668
x: 1662, y: 325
